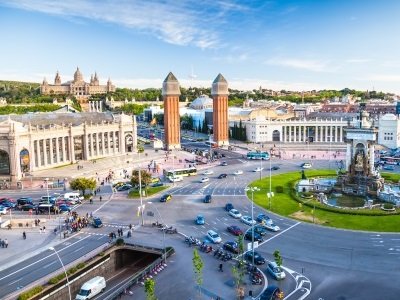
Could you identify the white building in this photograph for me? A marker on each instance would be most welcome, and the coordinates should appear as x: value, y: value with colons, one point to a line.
x: 389, y: 131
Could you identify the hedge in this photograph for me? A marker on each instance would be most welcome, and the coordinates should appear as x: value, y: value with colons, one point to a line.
x: 71, y: 271
x: 30, y: 293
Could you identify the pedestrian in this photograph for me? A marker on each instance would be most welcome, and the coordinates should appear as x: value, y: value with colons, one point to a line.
x: 101, y: 198
x: 44, y: 229
x: 24, y: 235
x: 5, y: 243
x: 220, y: 268
x: 40, y: 230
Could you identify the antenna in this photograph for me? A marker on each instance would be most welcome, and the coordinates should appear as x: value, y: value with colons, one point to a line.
x: 192, y: 76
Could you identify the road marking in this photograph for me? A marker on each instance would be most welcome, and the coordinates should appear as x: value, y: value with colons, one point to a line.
x: 48, y: 265
x: 79, y: 249
x: 224, y: 233
x: 283, y: 231
x: 11, y: 283
x: 378, y: 245
x: 226, y: 224
x: 215, y: 229
x: 393, y: 253
x: 15, y: 272
x: 218, y: 219
x: 395, y: 239
x: 215, y: 223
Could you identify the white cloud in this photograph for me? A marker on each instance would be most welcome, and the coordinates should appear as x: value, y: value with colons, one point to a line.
x: 357, y: 60
x: 305, y: 64
x: 382, y: 78
x: 185, y: 22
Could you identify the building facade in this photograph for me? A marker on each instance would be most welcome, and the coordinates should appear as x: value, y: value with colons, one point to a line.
x: 46, y: 140
x: 77, y: 87
x: 389, y: 131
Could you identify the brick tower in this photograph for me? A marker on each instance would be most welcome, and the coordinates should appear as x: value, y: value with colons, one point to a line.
x: 170, y: 93
x: 219, y: 93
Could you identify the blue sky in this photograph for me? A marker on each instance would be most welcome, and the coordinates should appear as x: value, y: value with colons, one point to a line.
x: 295, y: 45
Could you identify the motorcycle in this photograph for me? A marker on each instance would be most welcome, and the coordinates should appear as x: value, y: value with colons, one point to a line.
x: 156, y: 224
x: 171, y: 231
x: 256, y: 279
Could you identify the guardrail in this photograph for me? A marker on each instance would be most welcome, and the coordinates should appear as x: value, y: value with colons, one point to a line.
x: 134, y: 280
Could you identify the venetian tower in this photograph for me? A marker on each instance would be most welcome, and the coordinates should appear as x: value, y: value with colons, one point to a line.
x: 171, y: 92
x: 219, y: 93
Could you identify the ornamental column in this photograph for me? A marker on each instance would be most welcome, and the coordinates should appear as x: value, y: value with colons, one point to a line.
x: 172, y: 132
x: 219, y: 93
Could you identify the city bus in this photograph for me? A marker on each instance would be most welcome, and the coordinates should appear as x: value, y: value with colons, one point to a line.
x: 258, y: 155
x: 180, y: 172
x: 213, y: 144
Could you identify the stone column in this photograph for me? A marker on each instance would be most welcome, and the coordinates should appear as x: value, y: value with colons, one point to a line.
x: 91, y: 145
x: 101, y: 106
x: 64, y: 154
x: 325, y: 133
x: 71, y: 148
x: 121, y: 141
x: 51, y: 151
x: 57, y: 151
x: 114, y: 143
x: 108, y: 142
x: 103, y: 149
x: 331, y: 134
x: 45, y: 152
x: 295, y: 134
x: 348, y: 157
x: 371, y: 158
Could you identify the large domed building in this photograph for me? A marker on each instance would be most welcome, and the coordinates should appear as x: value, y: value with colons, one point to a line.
x: 201, y: 102
x: 77, y: 87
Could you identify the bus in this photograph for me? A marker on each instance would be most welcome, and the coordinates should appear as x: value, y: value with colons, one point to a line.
x: 258, y: 155
x: 212, y: 144
x: 180, y: 172
x: 390, y: 160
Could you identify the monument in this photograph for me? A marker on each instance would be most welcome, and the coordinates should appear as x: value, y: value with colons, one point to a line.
x: 360, y: 177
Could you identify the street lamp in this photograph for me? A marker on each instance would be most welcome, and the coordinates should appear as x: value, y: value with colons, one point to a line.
x: 65, y: 271
x: 140, y: 188
x: 270, y: 194
x: 162, y: 221
x: 47, y: 189
x: 252, y: 190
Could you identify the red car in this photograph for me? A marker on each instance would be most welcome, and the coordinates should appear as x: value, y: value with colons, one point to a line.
x: 235, y: 230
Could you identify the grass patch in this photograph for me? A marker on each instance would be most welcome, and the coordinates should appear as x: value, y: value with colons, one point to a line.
x: 30, y: 293
x: 285, y: 204
x: 391, y: 177
x: 149, y: 191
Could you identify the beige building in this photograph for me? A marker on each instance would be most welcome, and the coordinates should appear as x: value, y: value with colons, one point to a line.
x: 77, y: 87
x: 46, y: 140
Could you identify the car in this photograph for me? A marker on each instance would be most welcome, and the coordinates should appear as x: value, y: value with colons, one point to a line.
x: 272, y: 292
x: 207, y: 199
x: 306, y: 165
x: 274, y: 168
x: 235, y: 213
x: 249, y: 236
x: 271, y: 226
x: 157, y: 184
x: 24, y: 200
x: 200, y: 220
x: 238, y: 172
x: 262, y: 218
x: 208, y: 172
x: 124, y: 187
x: 48, y: 199
x: 248, y: 220
x: 258, y: 259
x: 235, y: 230
x: 204, y: 179
x: 214, y: 237
x: 97, y: 223
x: 222, y: 176
x: 224, y: 163
x: 28, y: 207
x: 388, y: 167
x: 118, y: 184
x: 260, y: 229
x: 276, y: 271
x: 166, y: 198
x: 64, y: 207
x: 175, y: 178
x: 229, y: 206
x: 8, y: 204
x: 259, y: 169
x: 231, y: 247
x: 3, y: 210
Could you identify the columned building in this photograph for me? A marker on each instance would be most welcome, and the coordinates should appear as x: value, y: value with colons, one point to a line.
x: 219, y: 93
x: 46, y: 140
x: 172, y: 127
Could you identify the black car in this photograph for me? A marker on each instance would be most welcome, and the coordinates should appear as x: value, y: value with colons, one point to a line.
x: 260, y: 229
x: 207, y: 199
x: 166, y: 198
x: 157, y: 184
x: 231, y: 246
x: 222, y: 176
x: 28, y: 207
x: 97, y: 223
x: 229, y: 206
x: 24, y: 200
x: 272, y: 293
x: 274, y: 168
x: 258, y: 259
x: 257, y: 236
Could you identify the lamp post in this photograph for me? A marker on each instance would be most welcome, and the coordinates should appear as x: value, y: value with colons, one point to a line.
x: 47, y: 189
x: 270, y: 194
x: 162, y: 221
x: 140, y: 189
x: 65, y: 271
x: 252, y: 190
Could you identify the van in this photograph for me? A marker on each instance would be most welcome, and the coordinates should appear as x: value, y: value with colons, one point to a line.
x: 175, y: 178
x: 91, y: 288
x: 74, y: 197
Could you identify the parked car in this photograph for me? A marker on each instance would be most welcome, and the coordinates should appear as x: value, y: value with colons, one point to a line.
x: 248, y: 220
x: 166, y: 198
x: 208, y: 172
x: 231, y: 247
x: 271, y: 226
x: 8, y: 204
x: 200, y: 220
x: 222, y: 176
x: 24, y: 200
x: 28, y: 207
x: 64, y: 207
x: 235, y: 230
x: 3, y: 210
x: 262, y: 218
x: 235, y: 213
x: 272, y: 292
x: 48, y: 199
x: 257, y: 237
x: 224, y: 163
x: 276, y: 271
x: 157, y: 184
x: 388, y: 167
x: 238, y: 172
x: 258, y: 259
x: 97, y: 223
x: 204, y: 179
x: 260, y: 229
x: 207, y: 199
x: 124, y: 187
x: 214, y: 237
x: 229, y: 206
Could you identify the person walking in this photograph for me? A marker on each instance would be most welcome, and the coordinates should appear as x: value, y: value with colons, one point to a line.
x: 101, y: 198
x: 24, y: 235
x: 220, y: 267
x: 5, y: 243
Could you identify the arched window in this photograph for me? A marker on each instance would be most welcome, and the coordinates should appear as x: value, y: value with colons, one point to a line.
x: 4, y: 163
x: 276, y: 136
x: 128, y: 143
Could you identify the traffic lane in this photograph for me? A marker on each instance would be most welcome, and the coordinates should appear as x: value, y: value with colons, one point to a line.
x: 42, y: 265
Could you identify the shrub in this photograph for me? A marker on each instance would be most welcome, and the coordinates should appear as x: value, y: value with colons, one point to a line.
x: 119, y: 242
x: 388, y: 206
x: 279, y: 189
x: 30, y: 293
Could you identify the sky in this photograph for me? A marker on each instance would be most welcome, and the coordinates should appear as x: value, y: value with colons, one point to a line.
x: 292, y: 45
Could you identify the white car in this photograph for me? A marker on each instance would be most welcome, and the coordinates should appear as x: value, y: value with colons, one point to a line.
x: 204, y: 179
x: 214, y: 237
x: 271, y: 226
x: 208, y: 172
x: 3, y: 210
x: 259, y: 169
x: 235, y: 213
x: 175, y: 178
x: 238, y: 172
x: 306, y: 166
x: 248, y: 220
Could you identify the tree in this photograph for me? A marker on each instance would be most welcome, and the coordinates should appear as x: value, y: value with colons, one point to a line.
x: 145, y: 177
x: 239, y: 271
x: 198, y: 266
x: 82, y: 184
x: 278, y: 258
x: 149, y: 289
